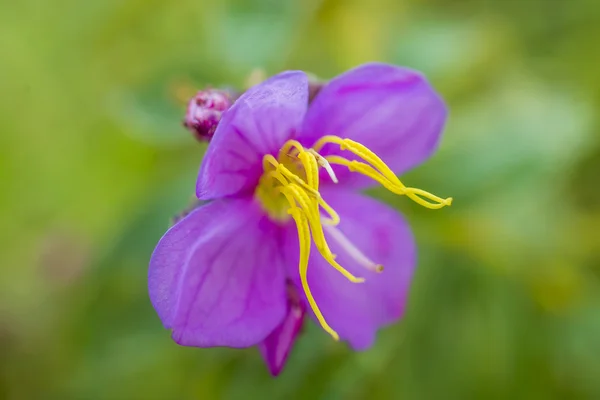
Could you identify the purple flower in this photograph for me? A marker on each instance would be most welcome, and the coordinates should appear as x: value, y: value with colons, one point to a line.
x: 286, y: 218
x: 204, y: 112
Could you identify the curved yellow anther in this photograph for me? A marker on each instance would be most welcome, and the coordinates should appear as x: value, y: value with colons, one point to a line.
x: 326, y: 139
x: 417, y: 194
x: 311, y: 168
x: 294, y: 193
x: 289, y: 145
x: 380, y: 172
x: 304, y: 242
x: 334, y: 218
x: 295, y: 178
x: 279, y: 177
x: 367, y: 170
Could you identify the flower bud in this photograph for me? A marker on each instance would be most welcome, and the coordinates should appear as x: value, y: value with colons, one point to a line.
x: 204, y: 112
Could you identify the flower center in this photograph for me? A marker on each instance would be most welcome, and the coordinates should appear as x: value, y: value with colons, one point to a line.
x: 289, y: 187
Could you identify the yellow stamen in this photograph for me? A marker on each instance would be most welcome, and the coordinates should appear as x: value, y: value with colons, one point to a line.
x: 384, y: 171
x: 304, y: 241
x: 290, y: 187
x: 310, y: 210
x: 334, y: 218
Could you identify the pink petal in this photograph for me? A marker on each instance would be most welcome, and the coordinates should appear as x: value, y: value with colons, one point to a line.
x: 392, y: 110
x: 357, y: 310
x: 277, y: 346
x: 258, y: 123
x: 216, y: 278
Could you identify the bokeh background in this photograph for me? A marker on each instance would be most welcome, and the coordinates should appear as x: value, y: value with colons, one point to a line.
x: 94, y: 162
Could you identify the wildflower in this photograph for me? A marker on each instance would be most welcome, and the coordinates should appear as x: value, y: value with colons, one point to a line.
x: 204, y: 112
x: 282, y: 178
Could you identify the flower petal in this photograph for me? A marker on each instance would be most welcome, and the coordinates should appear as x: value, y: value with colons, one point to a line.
x: 357, y: 310
x: 216, y: 277
x: 258, y: 123
x: 277, y: 346
x: 391, y: 110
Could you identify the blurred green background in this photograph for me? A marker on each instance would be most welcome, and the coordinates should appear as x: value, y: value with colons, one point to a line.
x: 94, y: 162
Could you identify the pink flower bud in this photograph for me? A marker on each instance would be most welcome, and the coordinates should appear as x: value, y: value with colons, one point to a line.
x: 204, y: 112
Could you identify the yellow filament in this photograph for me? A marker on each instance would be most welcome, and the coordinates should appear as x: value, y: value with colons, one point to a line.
x: 379, y: 171
x: 281, y: 173
x: 289, y: 145
x: 334, y: 218
x: 367, y: 170
x: 295, y: 175
x: 304, y: 241
x: 318, y: 236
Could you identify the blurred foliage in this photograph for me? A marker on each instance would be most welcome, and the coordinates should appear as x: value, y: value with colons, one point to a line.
x: 94, y: 162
